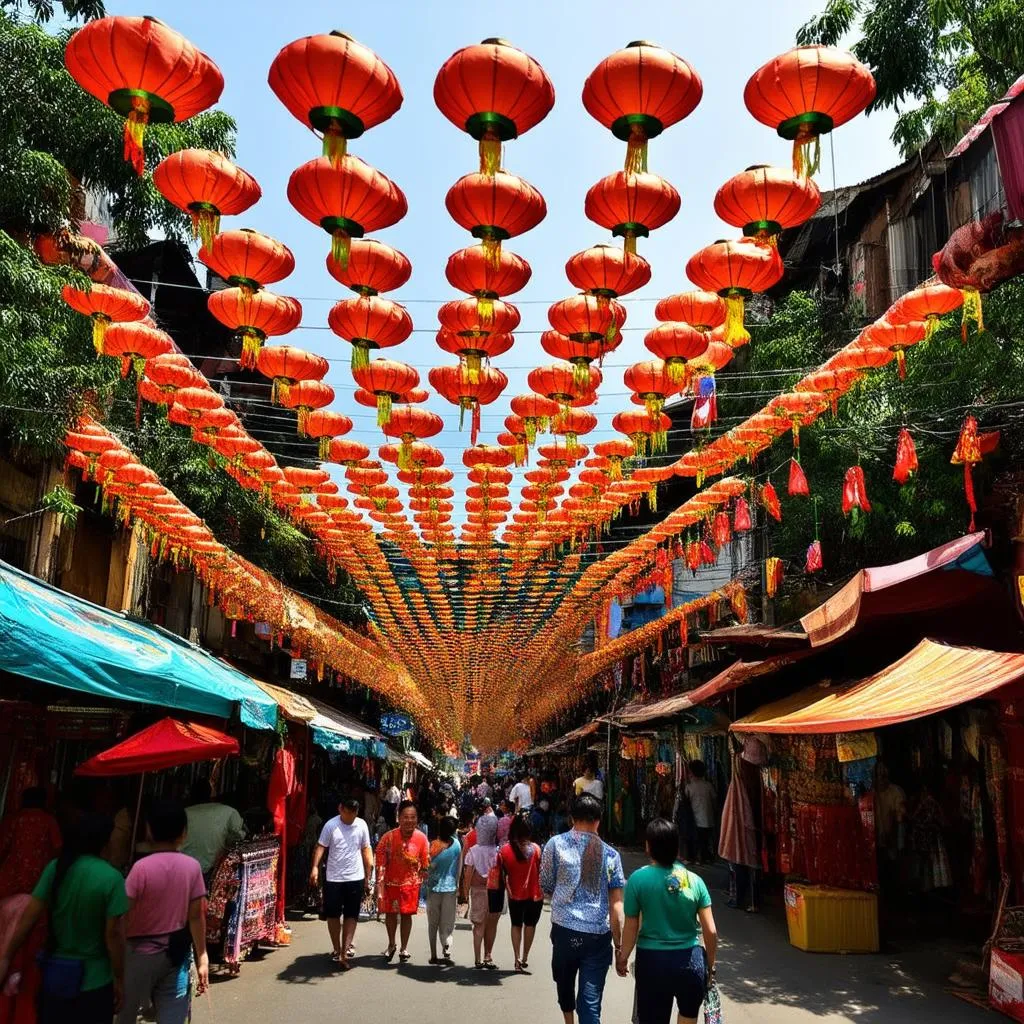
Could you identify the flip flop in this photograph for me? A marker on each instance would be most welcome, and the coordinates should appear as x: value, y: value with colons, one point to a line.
x: 519, y: 967
x: 389, y: 953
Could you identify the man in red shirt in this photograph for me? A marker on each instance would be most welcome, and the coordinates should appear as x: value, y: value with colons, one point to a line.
x: 403, y: 855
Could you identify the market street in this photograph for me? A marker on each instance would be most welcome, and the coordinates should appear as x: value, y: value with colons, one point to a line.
x: 762, y: 978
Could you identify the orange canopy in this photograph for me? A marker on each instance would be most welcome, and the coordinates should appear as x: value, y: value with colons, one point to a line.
x: 933, y: 677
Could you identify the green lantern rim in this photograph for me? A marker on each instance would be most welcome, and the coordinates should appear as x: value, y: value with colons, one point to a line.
x: 244, y: 282
x: 160, y: 111
x: 623, y: 126
x: 586, y: 337
x: 480, y: 123
x: 736, y: 293
x: 631, y: 228
x: 202, y: 207
x: 792, y: 127
x: 488, y: 232
x: 603, y: 293
x: 351, y: 126
x: 484, y: 293
x: 351, y: 228
x: 472, y: 334
x: 364, y: 343
x: 762, y: 227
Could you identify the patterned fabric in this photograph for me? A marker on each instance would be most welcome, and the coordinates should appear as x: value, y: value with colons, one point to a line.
x: 28, y: 842
x: 579, y: 896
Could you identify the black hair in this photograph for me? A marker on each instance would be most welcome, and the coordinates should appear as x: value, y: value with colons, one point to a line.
x: 405, y: 805
x: 518, y: 831
x: 698, y: 769
x: 33, y: 798
x: 167, y: 821
x: 350, y: 803
x: 84, y: 836
x: 590, y: 763
x: 446, y: 828
x: 201, y: 791
x: 466, y: 818
x: 586, y: 807
x: 663, y: 841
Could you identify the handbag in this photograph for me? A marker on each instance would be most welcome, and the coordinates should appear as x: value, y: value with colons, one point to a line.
x: 494, y: 877
x: 713, y: 1005
x: 61, y: 976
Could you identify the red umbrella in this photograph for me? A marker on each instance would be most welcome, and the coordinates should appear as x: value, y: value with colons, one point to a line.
x: 164, y: 745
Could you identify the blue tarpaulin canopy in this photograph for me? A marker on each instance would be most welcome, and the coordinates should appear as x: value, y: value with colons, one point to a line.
x: 53, y: 637
x: 341, y: 734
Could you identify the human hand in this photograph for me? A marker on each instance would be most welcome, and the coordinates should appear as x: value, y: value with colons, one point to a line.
x: 203, y: 974
x: 622, y: 966
x: 314, y: 877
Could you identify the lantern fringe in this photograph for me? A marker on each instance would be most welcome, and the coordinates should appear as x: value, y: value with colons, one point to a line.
x: 901, y: 363
x: 636, y: 150
x: 99, y: 331
x: 360, y: 357
x: 659, y: 442
x: 205, y: 225
x: 472, y: 363
x: 972, y: 311
x: 335, y: 144
x: 639, y: 445
x: 806, y: 152
x: 677, y: 370
x: 485, y: 308
x: 492, y: 251
x: 520, y: 452
x: 654, y: 404
x: 135, y: 134
x: 581, y: 373
x: 736, y: 334
x: 252, y: 342
x: 615, y: 468
x: 383, y: 409
x: 279, y: 391
x: 652, y: 498
x: 340, y: 246
x: 530, y: 425
x: 474, y: 426
x: 931, y: 325
x: 796, y: 435
x: 490, y: 153
x: 324, y: 447
x: 629, y: 243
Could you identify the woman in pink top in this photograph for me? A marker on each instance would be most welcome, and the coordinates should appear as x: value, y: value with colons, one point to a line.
x: 520, y: 866
x: 166, y: 922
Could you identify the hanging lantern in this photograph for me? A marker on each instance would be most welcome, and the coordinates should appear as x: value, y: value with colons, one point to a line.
x: 411, y: 424
x: 607, y: 272
x: 579, y: 354
x: 335, y: 86
x: 474, y: 350
x: 515, y: 440
x: 653, y: 383
x: 967, y: 454
x: 450, y: 382
x: 765, y: 201
x: 371, y: 268
x: 169, y: 373
x: 325, y: 425
x: 676, y: 344
x: 134, y: 343
x: 800, y: 408
x: 616, y: 452
x: 645, y: 431
x: 927, y: 303
x: 560, y: 383
x: 347, y: 199
x: 286, y: 365
x: 858, y: 356
x: 573, y: 424
x: 346, y: 452
x: 906, y: 458
x: 631, y: 206
x: 495, y: 208
x: 807, y: 92
x: 388, y: 380
x: 105, y: 305
x: 895, y: 337
x: 830, y: 383
x: 702, y: 310
x: 369, y: 323
x: 770, y: 501
x: 814, y: 562
x: 305, y: 396
x: 207, y: 186
x: 735, y: 271
x: 495, y: 92
x: 536, y: 413
x: 191, y: 403
x: 855, y: 494
x: 254, y: 316
x: 797, y: 480
x: 587, y: 318
x: 212, y: 423
x: 638, y: 92
x: 247, y: 259
x: 472, y: 270
x: 144, y: 70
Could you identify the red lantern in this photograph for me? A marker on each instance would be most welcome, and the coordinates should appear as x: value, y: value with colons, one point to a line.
x: 135, y: 343
x: 906, y: 458
x: 855, y: 494
x: 644, y: 430
x: 411, y: 424
x: 494, y: 208
x: 471, y: 270
x: 764, y: 201
x: 535, y: 412
x: 770, y: 501
x: 286, y: 366
x: 335, y: 86
x: 580, y: 354
x: 463, y: 317
x: 797, y: 480
x: 105, y: 305
x: 652, y: 382
x: 346, y: 199
x: 144, y: 70
x: 450, y: 383
x: 702, y: 310
x: 369, y: 323
x: 927, y: 303
x: 372, y: 267
x: 325, y: 425
x: 895, y: 337
x: 495, y: 92
x: 388, y: 380
x: 561, y: 383
x: 207, y: 186
x: 304, y: 397
x: 631, y: 206
x: 254, y: 316
x: 615, y: 452
x: 247, y: 259
x: 735, y: 271
x: 676, y: 343
x: 587, y: 318
x: 474, y: 349
x: 607, y: 272
x: 638, y: 92
x: 346, y: 452
x: 573, y: 424
x: 170, y: 373
x: 830, y: 383
x: 806, y: 92
x: 193, y: 402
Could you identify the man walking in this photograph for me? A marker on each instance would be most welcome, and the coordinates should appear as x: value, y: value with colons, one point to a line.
x: 346, y: 841
x: 521, y: 796
x: 403, y: 855
x: 584, y: 878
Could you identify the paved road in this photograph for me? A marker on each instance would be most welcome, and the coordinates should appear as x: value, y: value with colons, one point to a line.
x: 763, y: 980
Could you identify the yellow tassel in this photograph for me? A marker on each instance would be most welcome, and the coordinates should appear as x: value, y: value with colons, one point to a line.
x: 490, y: 153
x: 519, y: 452
x: 572, y: 443
x: 581, y: 372
x: 405, y: 454
x: 135, y: 133
x: 492, y: 251
x: 806, y: 152
x: 472, y: 365
x: 360, y: 357
x: 303, y: 423
x: 636, y: 150
x: 931, y: 322
x: 678, y: 371
x: 652, y: 498
x: 901, y: 362
x: 485, y: 308
x: 340, y: 244
x: 324, y: 448
x: 383, y: 409
x: 615, y: 468
x: 335, y: 144
x: 205, y: 224
x: 639, y: 445
x: 99, y: 331
x: 659, y: 442
x: 530, y: 426
x: 629, y: 243
x: 972, y: 311
x: 654, y: 404
x: 252, y: 342
x: 736, y: 334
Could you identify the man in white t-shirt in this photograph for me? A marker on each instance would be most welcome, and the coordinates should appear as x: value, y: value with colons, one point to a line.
x: 389, y: 806
x: 346, y: 841
x: 521, y: 796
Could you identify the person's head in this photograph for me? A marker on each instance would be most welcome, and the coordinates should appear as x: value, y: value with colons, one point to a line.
x: 408, y: 817
x: 520, y: 835
x: 506, y: 806
x: 446, y: 829
x: 348, y: 809
x: 586, y: 813
x: 167, y: 822
x: 698, y: 769
x: 466, y: 820
x: 662, y: 842
x: 487, y: 830
x: 484, y: 807
x: 524, y: 775
x: 590, y: 766
x: 201, y: 791
x: 85, y: 834
x: 33, y: 798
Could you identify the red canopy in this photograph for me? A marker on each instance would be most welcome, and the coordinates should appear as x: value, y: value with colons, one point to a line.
x: 164, y: 745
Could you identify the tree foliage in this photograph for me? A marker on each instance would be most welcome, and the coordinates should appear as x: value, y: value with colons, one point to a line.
x: 937, y: 63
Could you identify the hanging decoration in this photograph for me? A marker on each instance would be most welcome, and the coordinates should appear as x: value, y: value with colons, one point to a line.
x: 770, y: 501
x: 906, y: 458
x: 105, y: 305
x: 369, y: 323
x: 472, y: 270
x: 254, y: 316
x: 967, y: 454
x: 451, y: 383
x: 797, y: 480
x: 855, y: 494
x: 631, y: 206
x: 246, y: 259
x: 764, y: 201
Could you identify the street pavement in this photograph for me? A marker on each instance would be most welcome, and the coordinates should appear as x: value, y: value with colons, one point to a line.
x: 762, y: 979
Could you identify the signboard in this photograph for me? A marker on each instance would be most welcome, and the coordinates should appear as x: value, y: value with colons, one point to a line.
x: 471, y: 768
x: 394, y: 724
x: 262, y: 630
x: 299, y: 670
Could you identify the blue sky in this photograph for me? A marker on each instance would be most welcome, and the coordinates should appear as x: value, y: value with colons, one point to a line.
x: 563, y: 156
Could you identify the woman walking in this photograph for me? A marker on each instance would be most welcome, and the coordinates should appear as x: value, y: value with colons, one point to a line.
x: 442, y: 885
x: 665, y: 907
x: 479, y: 862
x: 520, y: 865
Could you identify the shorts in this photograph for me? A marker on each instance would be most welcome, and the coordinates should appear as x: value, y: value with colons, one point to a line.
x: 479, y: 904
x: 496, y: 900
x: 400, y: 899
x: 667, y: 976
x: 524, y: 912
x: 341, y: 899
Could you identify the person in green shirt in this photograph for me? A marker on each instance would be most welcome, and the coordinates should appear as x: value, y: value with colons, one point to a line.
x: 665, y: 907
x: 86, y: 900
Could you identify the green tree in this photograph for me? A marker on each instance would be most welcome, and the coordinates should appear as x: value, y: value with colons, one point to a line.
x: 937, y: 63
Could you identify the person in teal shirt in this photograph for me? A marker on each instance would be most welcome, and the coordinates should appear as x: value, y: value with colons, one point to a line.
x: 442, y: 886
x: 666, y: 908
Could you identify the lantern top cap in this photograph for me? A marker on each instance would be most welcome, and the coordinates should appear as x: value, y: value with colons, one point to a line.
x: 757, y: 167
x: 643, y: 42
x: 495, y: 41
x: 343, y: 35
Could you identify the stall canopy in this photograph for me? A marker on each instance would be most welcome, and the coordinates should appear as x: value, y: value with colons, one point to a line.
x: 53, y: 637
x: 932, y: 678
x: 293, y: 706
x: 166, y: 744
x: 421, y: 759
x: 340, y: 733
x: 563, y: 742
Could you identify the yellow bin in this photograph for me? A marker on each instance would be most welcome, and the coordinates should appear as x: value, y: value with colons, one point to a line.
x: 826, y: 920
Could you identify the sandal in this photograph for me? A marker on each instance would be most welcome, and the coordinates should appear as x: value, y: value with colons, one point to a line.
x: 479, y: 965
x: 490, y: 965
x: 389, y: 953
x: 404, y: 956
x: 519, y: 967
x: 525, y: 966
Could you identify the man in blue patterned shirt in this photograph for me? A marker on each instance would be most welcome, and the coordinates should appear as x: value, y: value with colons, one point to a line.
x: 584, y: 878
